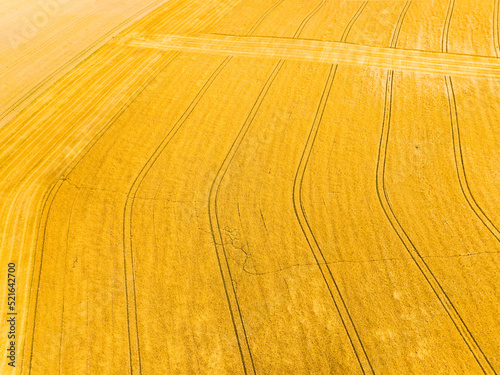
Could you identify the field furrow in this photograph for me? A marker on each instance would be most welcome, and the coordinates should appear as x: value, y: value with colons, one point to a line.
x: 250, y: 187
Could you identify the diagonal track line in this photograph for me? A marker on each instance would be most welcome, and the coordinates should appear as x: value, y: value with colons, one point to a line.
x: 384, y: 200
x: 322, y: 52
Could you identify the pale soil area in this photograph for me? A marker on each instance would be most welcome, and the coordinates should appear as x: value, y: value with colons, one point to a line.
x: 42, y: 40
x: 255, y: 187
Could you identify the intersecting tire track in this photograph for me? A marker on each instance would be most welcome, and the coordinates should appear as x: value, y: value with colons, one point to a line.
x: 340, y: 304
x: 300, y: 213
x: 51, y: 194
x: 75, y: 74
x: 45, y: 206
x: 365, y: 364
x: 224, y: 267
x: 223, y: 261
x: 383, y: 196
x: 128, y: 211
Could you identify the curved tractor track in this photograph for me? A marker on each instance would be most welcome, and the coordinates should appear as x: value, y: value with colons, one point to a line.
x: 250, y: 187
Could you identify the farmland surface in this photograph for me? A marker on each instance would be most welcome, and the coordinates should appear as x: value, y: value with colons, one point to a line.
x: 250, y: 187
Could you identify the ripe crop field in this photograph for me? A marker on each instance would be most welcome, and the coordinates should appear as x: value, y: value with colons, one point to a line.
x: 250, y: 187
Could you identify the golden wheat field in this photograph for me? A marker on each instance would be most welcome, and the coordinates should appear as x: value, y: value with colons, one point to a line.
x: 250, y: 187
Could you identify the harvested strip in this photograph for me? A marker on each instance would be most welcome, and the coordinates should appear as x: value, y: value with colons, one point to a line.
x: 323, y: 52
